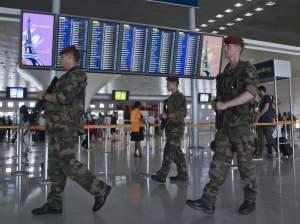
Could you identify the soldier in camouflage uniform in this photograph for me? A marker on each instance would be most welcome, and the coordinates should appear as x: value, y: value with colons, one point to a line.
x: 236, y: 91
x: 174, y: 115
x: 64, y: 111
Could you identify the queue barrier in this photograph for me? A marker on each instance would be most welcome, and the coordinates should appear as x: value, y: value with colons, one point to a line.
x: 20, y: 133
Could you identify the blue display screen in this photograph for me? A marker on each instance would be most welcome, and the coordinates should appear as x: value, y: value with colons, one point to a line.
x: 73, y: 31
x: 134, y: 48
x: 161, y: 51
x: 190, y: 3
x: 104, y: 46
x: 187, y: 53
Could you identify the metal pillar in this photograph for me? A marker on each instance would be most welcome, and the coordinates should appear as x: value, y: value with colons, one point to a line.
x: 194, y: 90
x: 56, y: 6
x: 277, y: 112
x: 292, y: 119
x: 20, y: 170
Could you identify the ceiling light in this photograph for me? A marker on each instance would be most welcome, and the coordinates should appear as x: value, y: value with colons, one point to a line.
x: 259, y: 9
x: 248, y: 14
x: 248, y: 0
x: 211, y: 21
x: 270, y: 3
x: 222, y: 28
x: 215, y: 32
x: 229, y: 24
x: 238, y: 5
x: 204, y: 25
x: 239, y: 19
x: 220, y: 16
x: 197, y: 29
x: 228, y: 10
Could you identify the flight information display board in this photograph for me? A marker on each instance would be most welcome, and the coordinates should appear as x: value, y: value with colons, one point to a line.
x: 187, y: 53
x: 188, y: 3
x: 72, y: 31
x: 162, y: 43
x: 103, y: 54
x: 134, y: 45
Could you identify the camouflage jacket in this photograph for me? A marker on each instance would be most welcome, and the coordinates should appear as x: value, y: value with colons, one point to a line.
x: 69, y: 107
x: 230, y: 84
x: 176, y: 104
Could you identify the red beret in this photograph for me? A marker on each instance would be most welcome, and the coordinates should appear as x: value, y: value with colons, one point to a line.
x: 173, y: 79
x: 68, y: 49
x: 234, y: 40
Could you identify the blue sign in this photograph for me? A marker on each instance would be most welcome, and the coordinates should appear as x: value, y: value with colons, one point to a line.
x: 265, y: 69
x: 72, y: 31
x: 134, y: 48
x: 188, y: 3
x: 187, y: 53
x: 161, y: 51
x: 104, y: 46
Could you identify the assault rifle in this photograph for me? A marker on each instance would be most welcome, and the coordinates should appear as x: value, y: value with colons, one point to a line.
x: 40, y: 104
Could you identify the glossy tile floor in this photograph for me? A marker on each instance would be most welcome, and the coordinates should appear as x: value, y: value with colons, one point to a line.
x: 137, y: 199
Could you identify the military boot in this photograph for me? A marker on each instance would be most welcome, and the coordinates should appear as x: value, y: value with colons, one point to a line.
x: 247, y: 207
x: 47, y: 209
x: 179, y: 178
x: 158, y: 178
x: 201, y: 205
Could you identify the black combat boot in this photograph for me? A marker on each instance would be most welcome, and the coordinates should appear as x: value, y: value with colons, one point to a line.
x: 179, y: 178
x: 158, y: 178
x: 247, y: 207
x: 100, y: 199
x: 46, y: 209
x: 200, y: 205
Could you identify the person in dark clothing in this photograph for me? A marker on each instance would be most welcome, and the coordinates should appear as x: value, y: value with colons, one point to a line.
x: 113, y: 131
x: 8, y: 123
x: 265, y: 115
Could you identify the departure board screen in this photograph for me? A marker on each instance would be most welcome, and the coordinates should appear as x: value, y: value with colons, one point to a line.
x: 187, y: 53
x: 104, y: 44
x: 134, y: 44
x: 161, y: 51
x: 72, y: 31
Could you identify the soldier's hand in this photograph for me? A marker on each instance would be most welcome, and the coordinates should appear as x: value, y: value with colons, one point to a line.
x: 164, y: 116
x: 221, y: 106
x: 213, y: 104
x: 41, y: 95
x: 172, y: 116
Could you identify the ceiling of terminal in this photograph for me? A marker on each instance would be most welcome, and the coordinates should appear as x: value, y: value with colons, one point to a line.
x: 276, y: 24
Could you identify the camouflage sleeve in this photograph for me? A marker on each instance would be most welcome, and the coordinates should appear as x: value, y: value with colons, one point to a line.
x: 218, y: 86
x: 180, y: 108
x: 75, y: 84
x: 249, y: 81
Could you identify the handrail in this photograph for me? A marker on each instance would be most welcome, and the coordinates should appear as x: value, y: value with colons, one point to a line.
x: 199, y: 125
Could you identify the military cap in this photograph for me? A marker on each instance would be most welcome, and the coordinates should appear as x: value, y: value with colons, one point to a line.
x: 234, y: 40
x: 173, y: 79
x: 68, y: 49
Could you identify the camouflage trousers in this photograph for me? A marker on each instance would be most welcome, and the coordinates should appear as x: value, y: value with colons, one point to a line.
x: 173, y: 153
x: 239, y: 140
x: 62, y: 164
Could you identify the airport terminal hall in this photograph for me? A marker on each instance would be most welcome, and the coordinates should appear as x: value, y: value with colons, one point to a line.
x: 150, y: 111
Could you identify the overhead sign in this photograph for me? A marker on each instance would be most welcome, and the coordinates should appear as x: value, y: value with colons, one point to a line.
x: 104, y: 45
x: 265, y: 69
x: 277, y: 68
x: 120, y: 48
x: 187, y: 3
x: 72, y: 31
